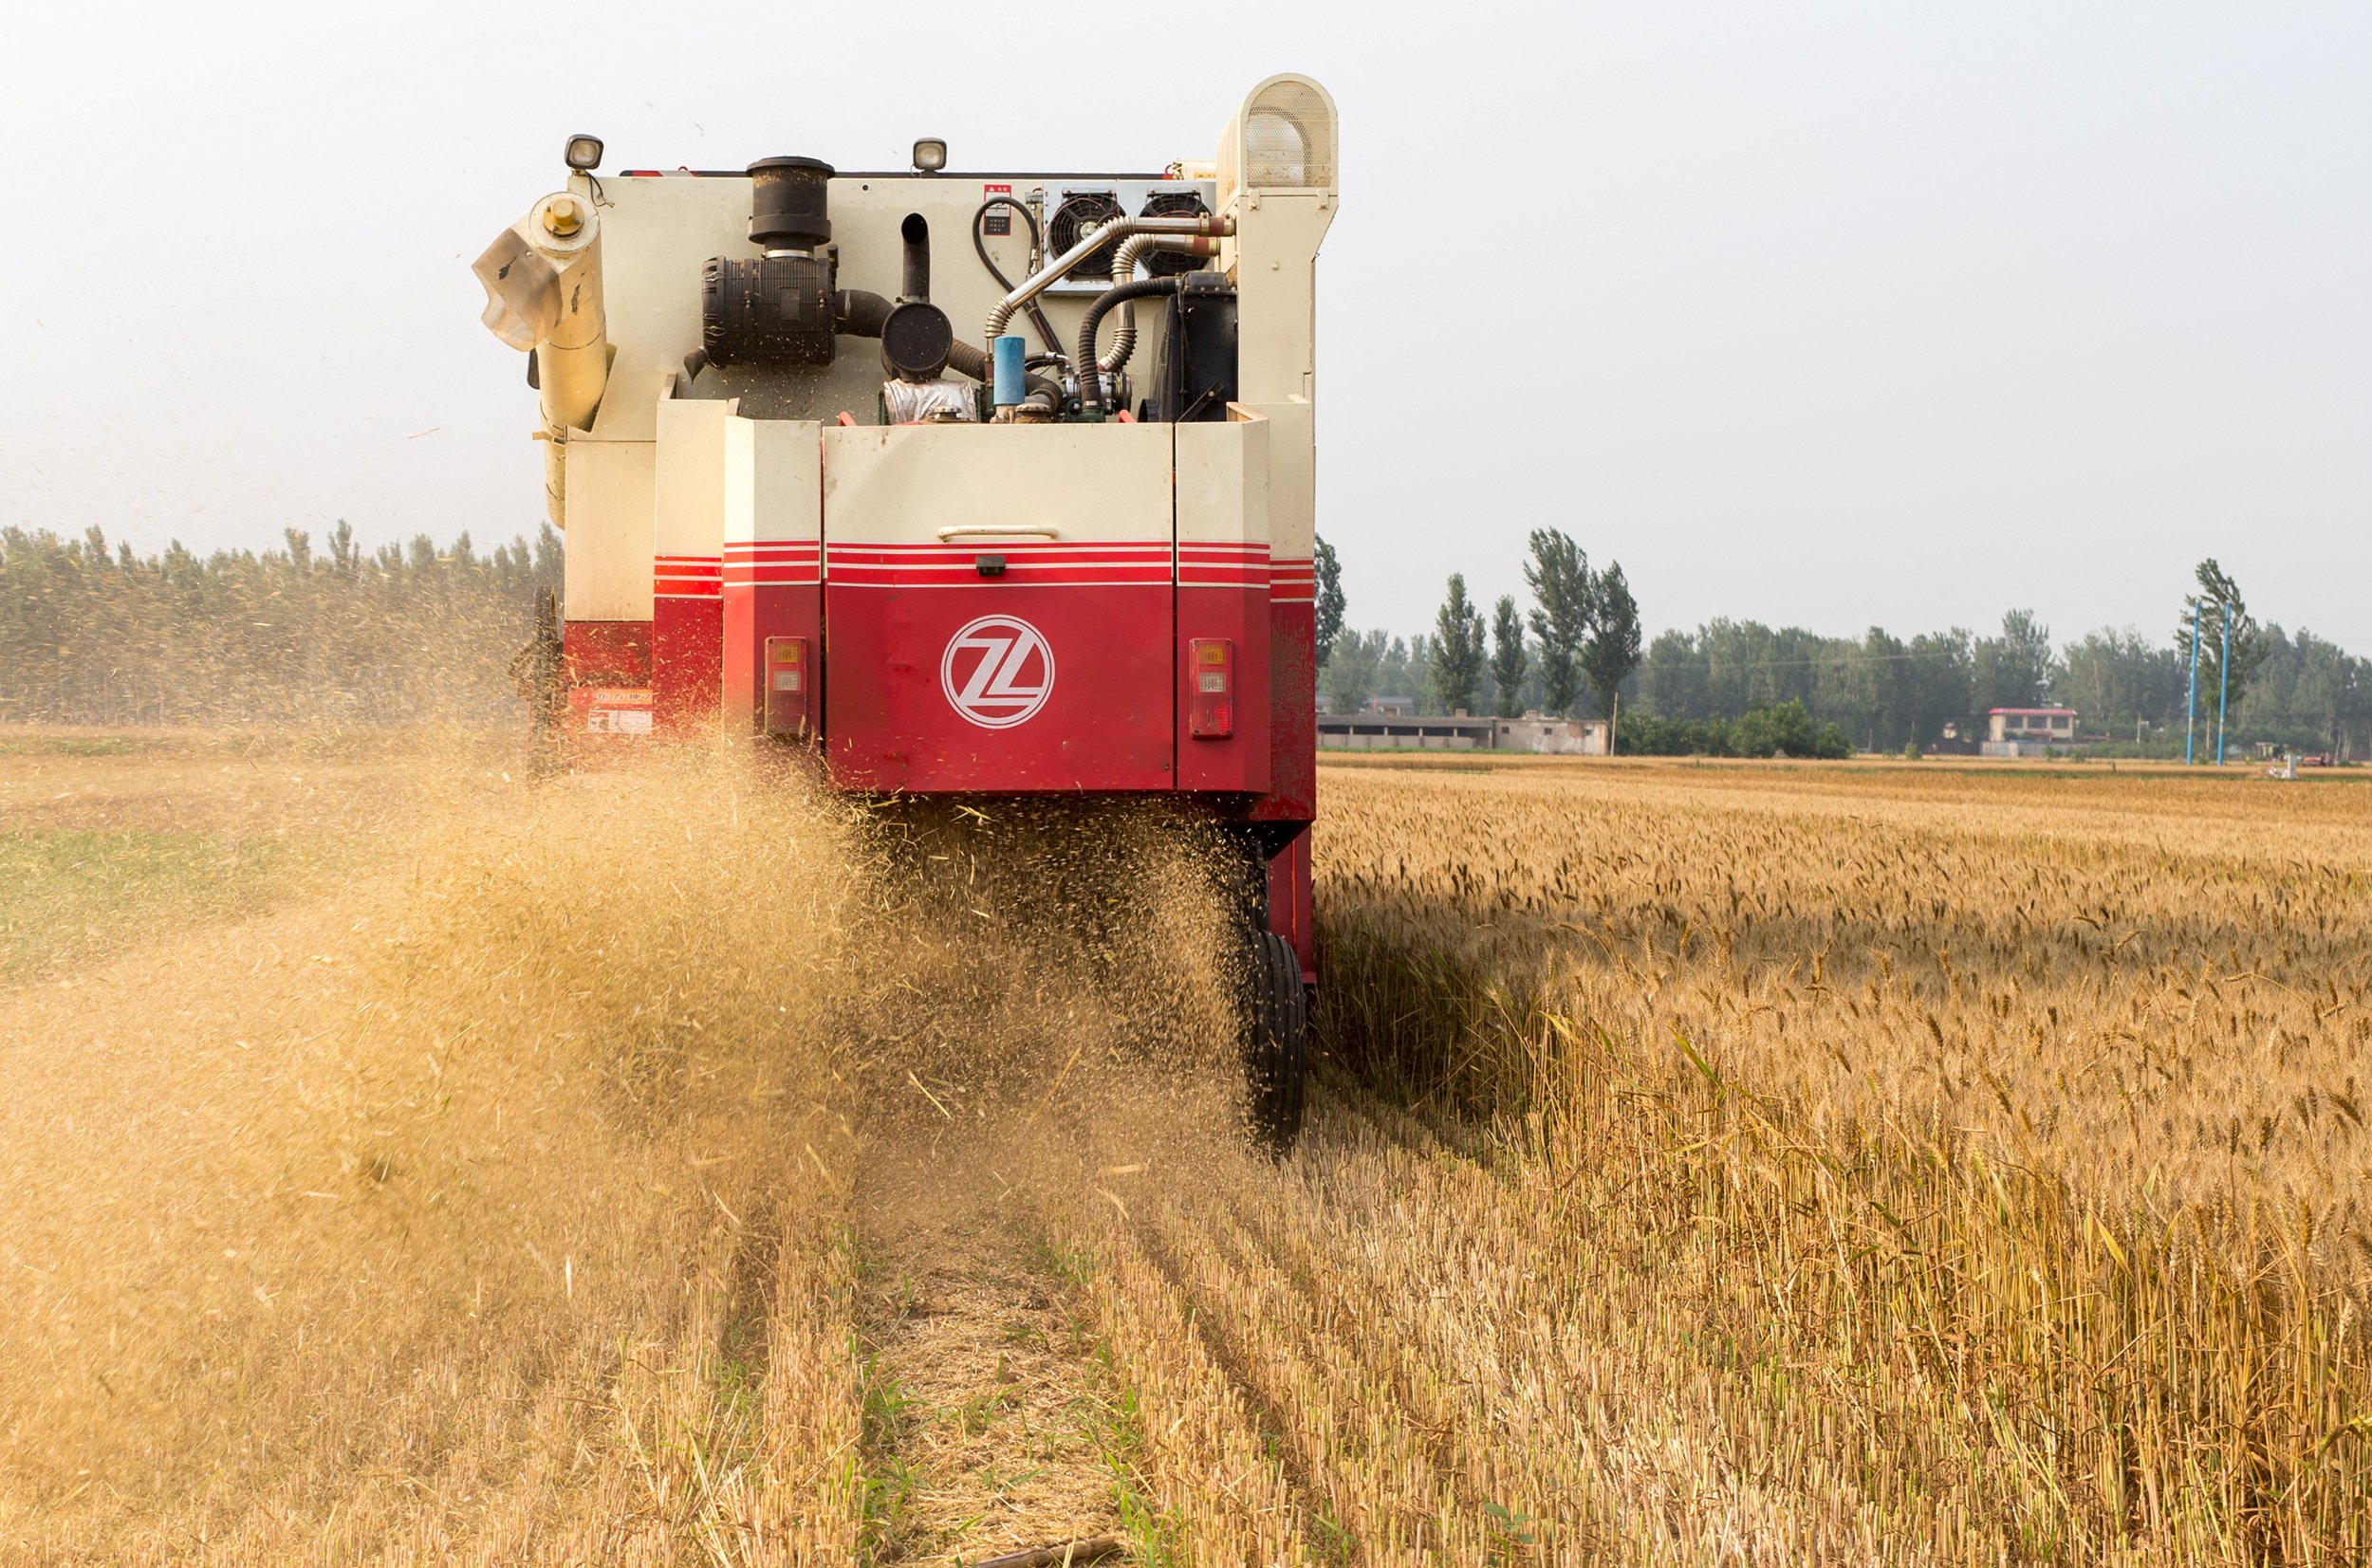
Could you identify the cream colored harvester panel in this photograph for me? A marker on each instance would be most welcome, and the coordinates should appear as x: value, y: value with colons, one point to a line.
x: 967, y: 484
x: 773, y: 481
x: 1274, y: 259
x: 1292, y: 479
x: 606, y: 571
x: 1223, y: 481
x: 689, y: 475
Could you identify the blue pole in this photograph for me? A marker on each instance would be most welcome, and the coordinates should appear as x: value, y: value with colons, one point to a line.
x: 2191, y: 704
x: 2223, y: 671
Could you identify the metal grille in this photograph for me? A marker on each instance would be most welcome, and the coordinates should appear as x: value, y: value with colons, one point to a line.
x: 1081, y: 211
x: 1175, y: 204
x: 1289, y: 138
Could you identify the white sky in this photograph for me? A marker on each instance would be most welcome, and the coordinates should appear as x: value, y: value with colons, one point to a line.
x: 1821, y: 313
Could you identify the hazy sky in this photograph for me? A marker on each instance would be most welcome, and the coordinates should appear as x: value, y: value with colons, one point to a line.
x: 1821, y: 313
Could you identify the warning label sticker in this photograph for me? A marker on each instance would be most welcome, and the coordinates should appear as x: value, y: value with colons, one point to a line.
x: 999, y: 219
x: 613, y: 710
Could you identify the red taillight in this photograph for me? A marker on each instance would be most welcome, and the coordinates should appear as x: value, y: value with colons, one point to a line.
x: 788, y: 684
x: 1210, y: 688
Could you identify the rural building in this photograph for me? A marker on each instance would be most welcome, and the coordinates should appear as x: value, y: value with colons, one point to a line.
x: 2028, y: 732
x: 1395, y: 706
x: 1461, y: 732
x: 1564, y: 737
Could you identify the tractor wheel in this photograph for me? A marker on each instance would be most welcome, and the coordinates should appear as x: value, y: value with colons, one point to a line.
x: 1276, y: 1043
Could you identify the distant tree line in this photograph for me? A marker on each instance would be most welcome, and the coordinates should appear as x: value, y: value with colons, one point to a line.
x: 1581, y: 634
x: 1770, y: 730
x: 1809, y: 694
x: 94, y: 634
x: 1880, y: 692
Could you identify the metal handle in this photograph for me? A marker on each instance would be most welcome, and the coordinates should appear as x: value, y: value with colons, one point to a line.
x: 998, y: 531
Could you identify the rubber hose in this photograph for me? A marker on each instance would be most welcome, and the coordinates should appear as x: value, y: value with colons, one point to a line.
x: 859, y: 313
x: 1090, y: 381
x: 1037, y: 240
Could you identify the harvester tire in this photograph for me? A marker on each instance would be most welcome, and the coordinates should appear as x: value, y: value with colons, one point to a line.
x: 1276, y: 1043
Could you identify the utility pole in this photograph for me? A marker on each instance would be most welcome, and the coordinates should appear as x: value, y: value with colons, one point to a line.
x: 2223, y: 671
x: 2191, y: 704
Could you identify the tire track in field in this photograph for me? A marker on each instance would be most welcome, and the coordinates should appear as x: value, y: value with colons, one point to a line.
x: 979, y: 1394
x: 1376, y: 1350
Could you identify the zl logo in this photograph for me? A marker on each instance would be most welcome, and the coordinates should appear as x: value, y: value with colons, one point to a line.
x: 997, y: 671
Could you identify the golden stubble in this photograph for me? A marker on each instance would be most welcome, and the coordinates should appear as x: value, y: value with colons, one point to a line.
x: 511, y: 1198
x: 1972, y: 1162
x: 678, y: 1164
x: 414, y: 1213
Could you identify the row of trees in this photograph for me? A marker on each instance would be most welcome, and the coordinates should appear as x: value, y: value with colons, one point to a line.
x: 1878, y: 692
x: 1582, y: 633
x: 91, y: 633
x: 1785, y: 729
x: 2293, y: 689
x: 94, y: 633
x: 1881, y: 690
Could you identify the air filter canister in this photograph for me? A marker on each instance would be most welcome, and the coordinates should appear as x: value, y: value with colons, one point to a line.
x: 766, y: 310
x: 789, y: 203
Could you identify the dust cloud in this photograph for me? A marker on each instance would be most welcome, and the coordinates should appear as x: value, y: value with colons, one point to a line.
x: 511, y: 1196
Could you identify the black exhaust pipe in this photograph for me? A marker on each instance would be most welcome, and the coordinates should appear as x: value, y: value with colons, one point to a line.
x: 916, y: 231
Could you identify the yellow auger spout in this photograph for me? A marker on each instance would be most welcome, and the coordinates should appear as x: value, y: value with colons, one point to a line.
x: 543, y: 281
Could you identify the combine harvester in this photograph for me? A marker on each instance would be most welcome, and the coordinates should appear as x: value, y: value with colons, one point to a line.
x: 1036, y: 524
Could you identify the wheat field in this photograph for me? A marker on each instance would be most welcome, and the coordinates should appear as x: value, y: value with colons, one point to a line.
x: 675, y: 1165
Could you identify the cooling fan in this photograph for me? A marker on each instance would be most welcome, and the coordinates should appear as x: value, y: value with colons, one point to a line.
x: 1080, y: 212
x: 1175, y: 204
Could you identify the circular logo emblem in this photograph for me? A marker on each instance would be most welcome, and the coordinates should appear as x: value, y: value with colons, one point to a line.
x: 997, y: 671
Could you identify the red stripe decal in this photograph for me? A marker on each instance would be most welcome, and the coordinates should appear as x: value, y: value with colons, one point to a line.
x: 695, y: 576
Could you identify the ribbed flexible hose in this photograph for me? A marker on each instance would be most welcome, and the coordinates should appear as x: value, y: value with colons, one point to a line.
x: 1124, y: 271
x: 1090, y: 381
